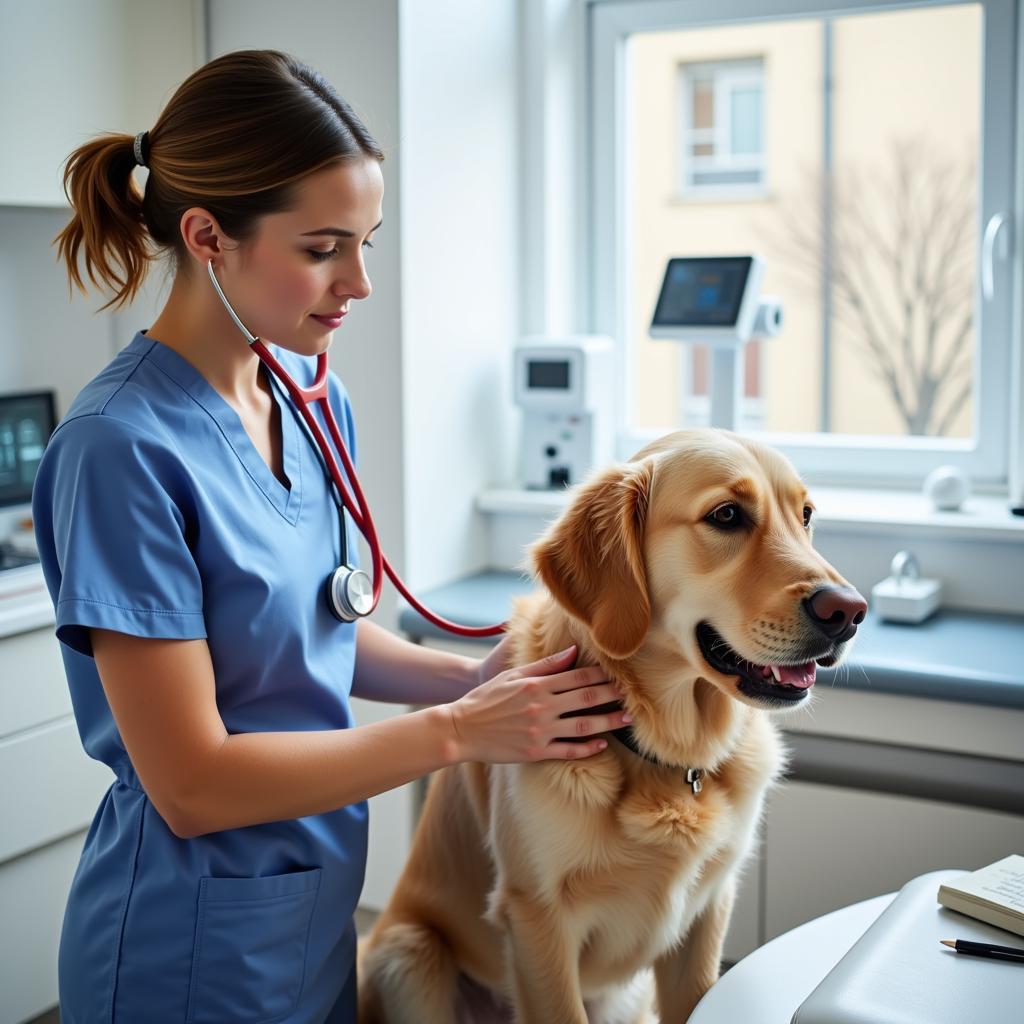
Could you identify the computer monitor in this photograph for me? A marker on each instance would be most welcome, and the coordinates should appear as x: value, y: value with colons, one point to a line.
x: 708, y: 299
x: 27, y: 419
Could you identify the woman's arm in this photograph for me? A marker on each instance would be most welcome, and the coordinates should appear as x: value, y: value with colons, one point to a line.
x: 201, y: 779
x: 396, y: 671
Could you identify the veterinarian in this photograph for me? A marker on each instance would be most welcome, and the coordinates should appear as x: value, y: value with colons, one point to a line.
x: 186, y: 528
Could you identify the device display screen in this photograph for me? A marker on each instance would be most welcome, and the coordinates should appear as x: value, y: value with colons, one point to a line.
x: 704, y: 292
x: 548, y: 373
x: 26, y: 422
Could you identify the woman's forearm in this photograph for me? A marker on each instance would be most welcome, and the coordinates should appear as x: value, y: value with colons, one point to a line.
x: 396, y: 671
x: 259, y: 777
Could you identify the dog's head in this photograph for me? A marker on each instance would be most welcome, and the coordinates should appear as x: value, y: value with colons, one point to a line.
x: 702, y: 543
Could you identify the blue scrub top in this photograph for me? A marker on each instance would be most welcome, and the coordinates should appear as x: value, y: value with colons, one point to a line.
x: 156, y: 516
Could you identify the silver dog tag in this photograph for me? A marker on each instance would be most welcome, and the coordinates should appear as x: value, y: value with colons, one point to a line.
x: 693, y: 777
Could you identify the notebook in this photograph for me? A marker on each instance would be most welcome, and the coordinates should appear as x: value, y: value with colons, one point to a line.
x: 994, y: 894
x: 898, y: 973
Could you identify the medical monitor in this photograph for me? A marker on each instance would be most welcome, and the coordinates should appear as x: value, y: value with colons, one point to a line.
x: 27, y: 420
x: 549, y: 374
x: 563, y: 374
x: 709, y: 299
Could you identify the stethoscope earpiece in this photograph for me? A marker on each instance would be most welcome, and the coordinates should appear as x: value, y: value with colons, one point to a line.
x: 349, y: 593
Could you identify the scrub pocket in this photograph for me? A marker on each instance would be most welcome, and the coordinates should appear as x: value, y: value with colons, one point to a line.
x: 250, y: 950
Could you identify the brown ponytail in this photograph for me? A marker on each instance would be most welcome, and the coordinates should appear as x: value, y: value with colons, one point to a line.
x: 109, y: 223
x: 235, y: 139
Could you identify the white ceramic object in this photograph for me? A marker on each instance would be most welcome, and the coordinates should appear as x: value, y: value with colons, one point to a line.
x: 947, y: 488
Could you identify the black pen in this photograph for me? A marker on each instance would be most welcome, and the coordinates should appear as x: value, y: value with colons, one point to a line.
x: 1010, y: 953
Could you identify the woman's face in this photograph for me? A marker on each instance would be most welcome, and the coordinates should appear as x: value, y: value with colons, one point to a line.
x: 308, y: 262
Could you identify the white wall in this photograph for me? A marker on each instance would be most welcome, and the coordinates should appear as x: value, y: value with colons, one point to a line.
x: 48, y: 339
x: 460, y: 292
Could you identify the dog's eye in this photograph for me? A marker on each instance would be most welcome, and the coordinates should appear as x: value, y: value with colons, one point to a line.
x: 729, y: 516
x: 808, y: 512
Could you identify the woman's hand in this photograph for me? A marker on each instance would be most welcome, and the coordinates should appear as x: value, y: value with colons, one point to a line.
x: 516, y: 716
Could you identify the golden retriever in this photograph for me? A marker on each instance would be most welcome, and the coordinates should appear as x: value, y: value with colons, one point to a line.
x: 600, y: 889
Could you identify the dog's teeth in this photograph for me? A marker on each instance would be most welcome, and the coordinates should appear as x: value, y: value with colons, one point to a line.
x: 776, y: 673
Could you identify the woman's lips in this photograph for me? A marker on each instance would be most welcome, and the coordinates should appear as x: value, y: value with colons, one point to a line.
x: 331, y: 322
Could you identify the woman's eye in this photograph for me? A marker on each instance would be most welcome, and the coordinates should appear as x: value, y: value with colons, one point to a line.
x: 808, y: 512
x: 319, y: 255
x: 729, y: 516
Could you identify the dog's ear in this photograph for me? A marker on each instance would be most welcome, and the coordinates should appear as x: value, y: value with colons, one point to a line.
x: 592, y: 561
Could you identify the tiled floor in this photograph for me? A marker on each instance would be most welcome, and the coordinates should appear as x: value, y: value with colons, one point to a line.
x: 364, y: 922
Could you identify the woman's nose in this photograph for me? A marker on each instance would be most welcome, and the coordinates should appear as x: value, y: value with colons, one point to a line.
x: 355, y: 283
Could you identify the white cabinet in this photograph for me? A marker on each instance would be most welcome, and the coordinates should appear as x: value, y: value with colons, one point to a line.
x: 70, y: 70
x: 33, y: 891
x: 828, y: 847
x: 51, y: 787
x: 49, y: 792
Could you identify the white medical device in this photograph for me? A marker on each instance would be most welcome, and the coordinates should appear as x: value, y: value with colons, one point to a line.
x: 717, y: 301
x: 565, y: 387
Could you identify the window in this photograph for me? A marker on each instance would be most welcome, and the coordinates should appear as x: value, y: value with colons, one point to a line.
x: 889, y: 136
x: 722, y: 118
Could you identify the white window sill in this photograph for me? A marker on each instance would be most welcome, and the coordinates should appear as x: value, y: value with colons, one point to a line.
x: 700, y: 194
x: 983, y: 517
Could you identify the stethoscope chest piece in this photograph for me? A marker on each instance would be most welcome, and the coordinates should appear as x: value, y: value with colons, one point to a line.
x: 349, y: 593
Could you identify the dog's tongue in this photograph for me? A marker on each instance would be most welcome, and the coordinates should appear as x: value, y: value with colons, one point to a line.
x: 801, y: 676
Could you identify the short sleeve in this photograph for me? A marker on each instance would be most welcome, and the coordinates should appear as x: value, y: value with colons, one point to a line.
x: 110, y: 506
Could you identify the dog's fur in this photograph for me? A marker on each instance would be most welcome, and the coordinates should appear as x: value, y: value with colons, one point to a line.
x: 603, y: 886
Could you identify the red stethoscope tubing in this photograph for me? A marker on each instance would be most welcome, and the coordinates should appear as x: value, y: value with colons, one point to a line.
x: 357, y: 506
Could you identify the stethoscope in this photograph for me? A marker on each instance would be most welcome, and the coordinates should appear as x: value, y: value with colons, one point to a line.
x: 350, y: 593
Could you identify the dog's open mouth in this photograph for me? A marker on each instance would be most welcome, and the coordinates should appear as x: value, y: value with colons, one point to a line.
x: 774, y: 683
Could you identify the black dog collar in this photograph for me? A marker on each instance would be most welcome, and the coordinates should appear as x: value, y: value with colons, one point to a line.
x: 693, y: 776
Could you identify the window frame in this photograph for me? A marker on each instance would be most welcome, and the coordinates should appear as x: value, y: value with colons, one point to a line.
x: 866, y: 460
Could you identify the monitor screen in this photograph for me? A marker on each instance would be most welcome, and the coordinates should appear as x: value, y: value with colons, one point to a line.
x: 702, y: 292
x: 548, y: 373
x: 26, y: 422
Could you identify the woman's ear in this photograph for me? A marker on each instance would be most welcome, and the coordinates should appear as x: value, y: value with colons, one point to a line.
x: 592, y: 561
x: 203, y: 236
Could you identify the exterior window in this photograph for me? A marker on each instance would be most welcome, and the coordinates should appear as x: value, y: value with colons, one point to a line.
x: 723, y: 125
x: 889, y: 137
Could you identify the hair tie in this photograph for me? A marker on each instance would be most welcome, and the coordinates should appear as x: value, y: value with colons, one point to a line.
x: 140, y: 139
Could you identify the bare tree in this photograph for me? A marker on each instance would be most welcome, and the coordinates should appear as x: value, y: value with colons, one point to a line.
x: 900, y: 251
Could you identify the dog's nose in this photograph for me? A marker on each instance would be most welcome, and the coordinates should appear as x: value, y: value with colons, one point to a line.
x: 836, y: 611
